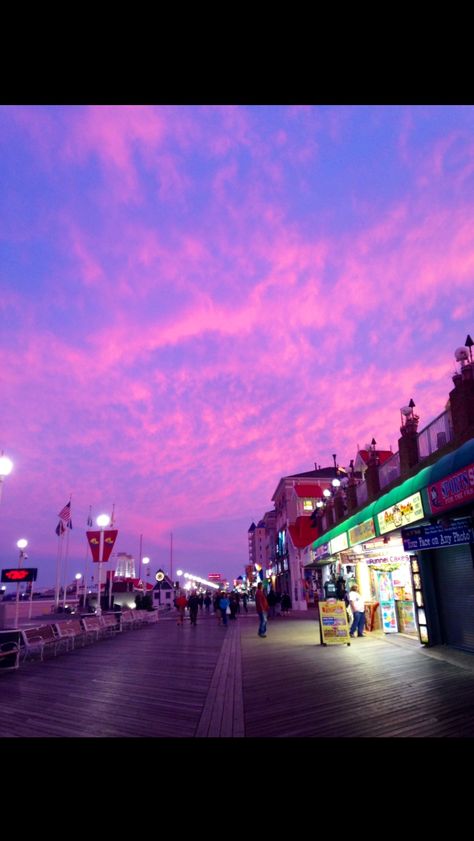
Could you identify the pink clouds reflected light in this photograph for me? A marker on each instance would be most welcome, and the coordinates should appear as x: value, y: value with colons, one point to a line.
x: 197, y: 301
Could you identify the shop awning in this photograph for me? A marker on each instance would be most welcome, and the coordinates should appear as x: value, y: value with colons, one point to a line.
x: 426, y: 476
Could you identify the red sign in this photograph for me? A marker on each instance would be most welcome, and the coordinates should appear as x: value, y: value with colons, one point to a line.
x: 455, y: 489
x: 110, y: 537
x: 93, y: 538
x: 214, y: 576
x: 20, y: 574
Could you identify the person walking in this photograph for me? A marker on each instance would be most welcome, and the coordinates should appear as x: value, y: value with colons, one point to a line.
x: 217, y: 610
x: 234, y: 605
x: 271, y: 599
x: 181, y: 603
x: 262, y: 610
x: 207, y: 602
x: 358, y: 612
x: 224, y: 604
x: 244, y: 602
x: 193, y: 604
x: 285, y: 604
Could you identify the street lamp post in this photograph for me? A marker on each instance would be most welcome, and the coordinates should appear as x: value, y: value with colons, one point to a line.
x: 102, y: 521
x: 22, y: 544
x: 78, y: 577
x: 6, y: 467
x: 145, y: 562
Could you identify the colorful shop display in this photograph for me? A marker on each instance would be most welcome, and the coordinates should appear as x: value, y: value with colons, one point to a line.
x: 334, y: 623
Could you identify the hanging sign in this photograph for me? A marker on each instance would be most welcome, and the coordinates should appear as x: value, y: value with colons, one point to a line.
x: 93, y: 538
x: 436, y: 536
x: 364, y: 531
x: 334, y: 623
x: 322, y: 551
x: 406, y: 511
x: 339, y: 543
x: 17, y: 576
x: 455, y: 489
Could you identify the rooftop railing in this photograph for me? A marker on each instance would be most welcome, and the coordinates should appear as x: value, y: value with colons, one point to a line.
x: 434, y: 436
x: 389, y: 471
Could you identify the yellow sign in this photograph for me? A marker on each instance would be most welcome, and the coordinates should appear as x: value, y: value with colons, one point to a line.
x: 334, y: 622
x: 364, y: 531
x: 404, y: 512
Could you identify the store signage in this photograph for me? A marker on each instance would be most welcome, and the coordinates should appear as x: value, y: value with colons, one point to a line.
x: 339, y: 543
x: 216, y: 576
x: 455, y: 489
x: 17, y: 576
x: 404, y: 512
x: 333, y: 622
x: 322, y: 551
x: 364, y: 531
x: 434, y: 537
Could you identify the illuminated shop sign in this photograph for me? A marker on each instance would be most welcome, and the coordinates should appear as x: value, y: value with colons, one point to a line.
x: 434, y: 537
x: 364, y: 531
x: 339, y: 543
x: 455, y: 489
x: 307, y: 505
x: 322, y: 551
x: 404, y: 512
x: 17, y: 576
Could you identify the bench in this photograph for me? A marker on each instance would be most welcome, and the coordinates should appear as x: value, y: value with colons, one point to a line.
x: 40, y: 639
x: 100, y: 626
x: 72, y: 631
x: 110, y: 624
x: 9, y: 650
x: 127, y: 620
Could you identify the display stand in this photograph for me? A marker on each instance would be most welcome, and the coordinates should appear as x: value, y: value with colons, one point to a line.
x: 333, y: 623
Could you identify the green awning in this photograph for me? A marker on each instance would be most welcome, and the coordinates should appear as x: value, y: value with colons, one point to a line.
x: 426, y: 476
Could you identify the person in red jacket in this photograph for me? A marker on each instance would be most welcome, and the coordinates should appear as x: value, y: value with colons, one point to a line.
x: 181, y: 603
x: 262, y: 610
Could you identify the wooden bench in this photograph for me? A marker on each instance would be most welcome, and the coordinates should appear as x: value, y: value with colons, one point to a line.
x: 40, y: 639
x: 9, y: 650
x: 72, y: 631
x: 110, y: 624
x: 127, y: 620
x: 92, y: 626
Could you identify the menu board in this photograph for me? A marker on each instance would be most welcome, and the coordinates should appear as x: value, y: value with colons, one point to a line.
x: 333, y: 622
x: 389, y: 617
x: 406, y: 617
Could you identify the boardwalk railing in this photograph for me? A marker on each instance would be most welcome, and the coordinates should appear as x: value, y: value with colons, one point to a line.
x: 434, y: 436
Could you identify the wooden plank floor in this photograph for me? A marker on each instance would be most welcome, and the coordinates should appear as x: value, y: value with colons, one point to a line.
x: 295, y: 687
x: 167, y: 681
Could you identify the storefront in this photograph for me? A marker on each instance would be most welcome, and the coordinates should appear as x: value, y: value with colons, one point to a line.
x: 368, y: 550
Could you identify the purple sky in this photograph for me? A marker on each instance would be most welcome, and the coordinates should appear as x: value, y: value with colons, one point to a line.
x: 197, y: 301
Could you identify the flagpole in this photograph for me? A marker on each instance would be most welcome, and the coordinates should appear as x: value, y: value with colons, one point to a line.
x: 59, y: 567
x: 56, y: 593
x: 89, y: 524
x: 66, y: 558
x: 171, y: 557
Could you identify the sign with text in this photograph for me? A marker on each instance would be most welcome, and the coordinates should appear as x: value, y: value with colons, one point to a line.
x: 364, y: 531
x: 337, y: 544
x: 334, y: 622
x: 216, y: 576
x: 437, y: 536
x: 321, y: 551
x: 17, y: 576
x: 406, y: 511
x: 455, y: 489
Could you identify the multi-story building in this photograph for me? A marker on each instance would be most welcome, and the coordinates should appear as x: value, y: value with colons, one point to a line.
x: 408, y: 539
x: 295, y: 499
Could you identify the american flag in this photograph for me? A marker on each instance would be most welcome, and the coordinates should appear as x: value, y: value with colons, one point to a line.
x: 65, y: 515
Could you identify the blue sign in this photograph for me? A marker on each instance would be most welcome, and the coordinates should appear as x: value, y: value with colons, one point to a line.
x: 437, y: 537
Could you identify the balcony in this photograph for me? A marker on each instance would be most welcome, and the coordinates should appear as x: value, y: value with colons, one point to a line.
x: 435, y: 436
x: 390, y: 471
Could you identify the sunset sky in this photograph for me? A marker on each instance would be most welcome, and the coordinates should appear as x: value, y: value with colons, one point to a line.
x: 197, y: 301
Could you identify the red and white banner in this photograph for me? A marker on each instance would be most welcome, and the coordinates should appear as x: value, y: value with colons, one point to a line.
x: 93, y: 538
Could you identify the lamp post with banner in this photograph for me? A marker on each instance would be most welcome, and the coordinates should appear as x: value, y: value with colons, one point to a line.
x: 22, y: 544
x: 102, y: 521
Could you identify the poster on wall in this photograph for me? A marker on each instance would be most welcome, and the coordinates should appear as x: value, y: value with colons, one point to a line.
x: 333, y: 622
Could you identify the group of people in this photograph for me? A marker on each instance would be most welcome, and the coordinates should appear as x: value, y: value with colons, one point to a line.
x: 227, y: 606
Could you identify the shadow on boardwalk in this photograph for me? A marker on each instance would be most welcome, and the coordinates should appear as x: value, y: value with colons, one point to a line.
x: 209, y: 681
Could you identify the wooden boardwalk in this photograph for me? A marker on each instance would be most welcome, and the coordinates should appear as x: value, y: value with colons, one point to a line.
x: 209, y: 681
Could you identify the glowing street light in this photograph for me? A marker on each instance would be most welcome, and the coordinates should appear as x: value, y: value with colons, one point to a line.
x: 102, y: 521
x: 6, y: 467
